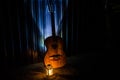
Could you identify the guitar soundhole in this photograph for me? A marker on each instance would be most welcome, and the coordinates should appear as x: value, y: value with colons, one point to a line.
x: 54, y: 46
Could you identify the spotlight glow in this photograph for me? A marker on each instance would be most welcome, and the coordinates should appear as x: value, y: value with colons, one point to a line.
x: 41, y: 16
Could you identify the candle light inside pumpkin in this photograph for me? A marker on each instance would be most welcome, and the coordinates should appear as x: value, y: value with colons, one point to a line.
x: 49, y: 70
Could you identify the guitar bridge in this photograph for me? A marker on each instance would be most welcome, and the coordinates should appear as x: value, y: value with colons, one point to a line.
x: 55, y: 57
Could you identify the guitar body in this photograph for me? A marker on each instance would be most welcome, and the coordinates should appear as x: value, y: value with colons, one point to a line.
x: 55, y: 55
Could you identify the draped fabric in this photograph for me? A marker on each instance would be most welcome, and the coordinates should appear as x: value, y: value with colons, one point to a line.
x: 25, y: 24
x: 39, y: 10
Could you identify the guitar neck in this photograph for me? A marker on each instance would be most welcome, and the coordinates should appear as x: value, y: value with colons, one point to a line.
x: 53, y: 24
x: 51, y: 10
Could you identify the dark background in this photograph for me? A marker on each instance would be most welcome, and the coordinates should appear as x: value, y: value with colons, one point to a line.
x: 90, y: 29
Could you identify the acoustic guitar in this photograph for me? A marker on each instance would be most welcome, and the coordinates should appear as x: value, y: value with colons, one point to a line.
x: 54, y: 56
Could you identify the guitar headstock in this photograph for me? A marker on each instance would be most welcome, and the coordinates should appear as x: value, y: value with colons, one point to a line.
x: 51, y: 5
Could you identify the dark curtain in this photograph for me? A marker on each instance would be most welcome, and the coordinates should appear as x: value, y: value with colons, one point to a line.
x: 84, y: 28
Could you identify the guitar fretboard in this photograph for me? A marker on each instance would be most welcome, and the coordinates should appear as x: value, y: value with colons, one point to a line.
x: 51, y: 10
